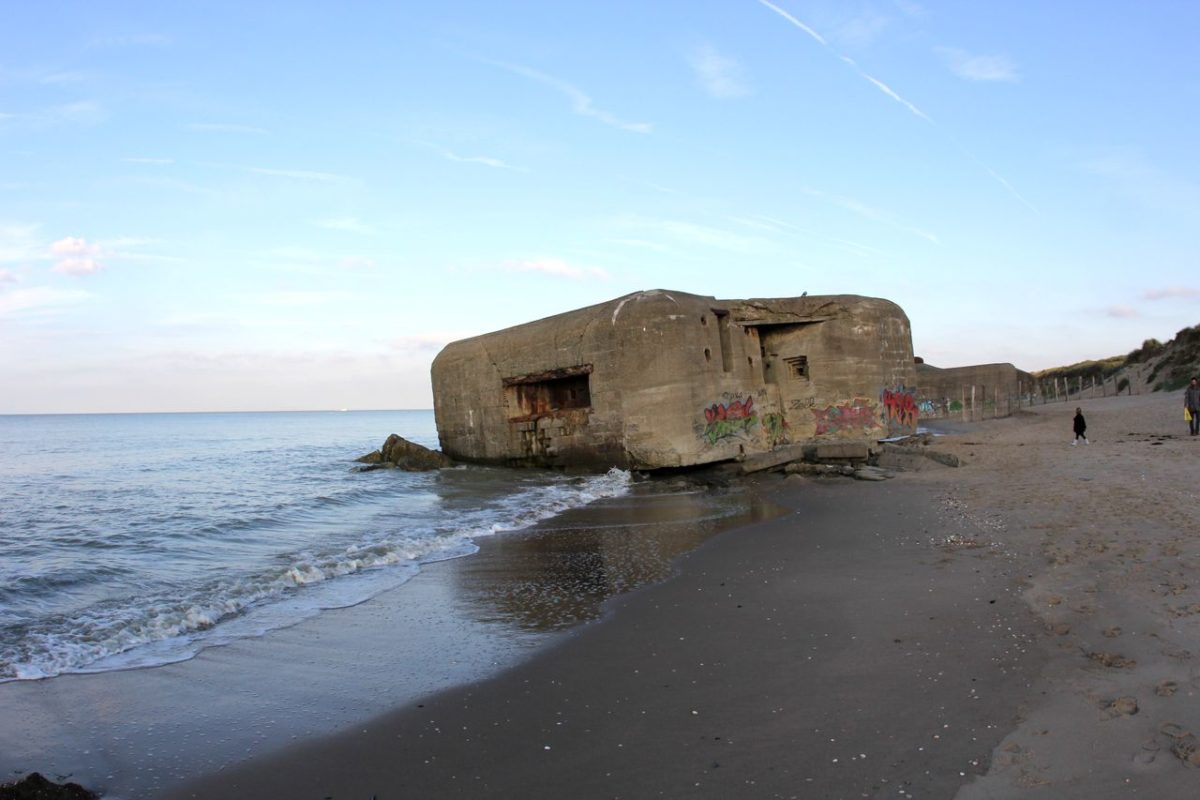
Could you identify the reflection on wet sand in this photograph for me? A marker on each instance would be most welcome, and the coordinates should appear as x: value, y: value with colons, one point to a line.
x: 559, y: 574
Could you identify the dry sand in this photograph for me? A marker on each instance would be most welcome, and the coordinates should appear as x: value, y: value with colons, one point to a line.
x: 1116, y: 528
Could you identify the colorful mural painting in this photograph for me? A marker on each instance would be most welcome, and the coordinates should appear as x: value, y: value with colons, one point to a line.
x: 775, y: 428
x: 900, y: 407
x: 856, y: 417
x: 729, y: 419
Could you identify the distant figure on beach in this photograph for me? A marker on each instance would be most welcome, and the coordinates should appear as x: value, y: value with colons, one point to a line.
x: 1080, y: 428
x: 1191, y: 402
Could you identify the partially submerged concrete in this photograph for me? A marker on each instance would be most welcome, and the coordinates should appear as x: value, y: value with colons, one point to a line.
x: 661, y: 379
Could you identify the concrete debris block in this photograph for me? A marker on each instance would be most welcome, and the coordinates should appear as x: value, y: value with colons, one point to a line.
x: 872, y: 474
x: 949, y: 459
x: 899, y: 460
x: 804, y: 468
x: 775, y: 458
x: 849, y: 451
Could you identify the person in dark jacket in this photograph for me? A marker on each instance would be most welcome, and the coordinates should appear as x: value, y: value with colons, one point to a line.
x: 1191, y: 401
x: 1080, y: 428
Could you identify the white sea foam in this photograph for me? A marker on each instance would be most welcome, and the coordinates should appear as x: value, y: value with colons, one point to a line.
x: 396, y: 533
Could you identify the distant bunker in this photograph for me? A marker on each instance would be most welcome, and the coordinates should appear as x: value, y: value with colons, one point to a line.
x: 663, y: 379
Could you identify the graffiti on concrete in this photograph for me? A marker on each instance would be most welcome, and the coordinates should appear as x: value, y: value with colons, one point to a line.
x: 900, y: 407
x: 734, y: 418
x: 855, y: 417
x: 775, y: 428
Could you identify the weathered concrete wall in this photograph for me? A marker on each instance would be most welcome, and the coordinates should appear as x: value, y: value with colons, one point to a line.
x: 943, y: 391
x: 668, y: 379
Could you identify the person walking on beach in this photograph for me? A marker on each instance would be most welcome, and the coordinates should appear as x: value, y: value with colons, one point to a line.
x: 1080, y: 428
x: 1191, y: 402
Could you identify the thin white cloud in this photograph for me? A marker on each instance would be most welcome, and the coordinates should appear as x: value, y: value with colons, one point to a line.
x: 133, y: 40
x: 795, y: 22
x: 154, y: 162
x: 719, y: 75
x: 642, y: 243
x: 910, y: 9
x: 871, y: 213
x: 423, y: 343
x: 356, y: 262
x: 1146, y: 183
x: 345, y: 224
x: 556, y: 267
x: 707, y: 236
x: 883, y: 87
x: 1172, y: 293
x: 979, y: 68
x: 18, y: 243
x: 878, y: 84
x: 486, y: 161
x: 863, y: 30
x: 81, y: 112
x: 299, y: 174
x: 581, y: 103
x: 7, y: 276
x: 225, y: 127
x: 75, y: 256
x: 64, y: 78
x: 38, y: 299
x: 1121, y: 312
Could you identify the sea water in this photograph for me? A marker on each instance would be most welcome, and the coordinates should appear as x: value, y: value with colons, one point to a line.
x: 131, y: 540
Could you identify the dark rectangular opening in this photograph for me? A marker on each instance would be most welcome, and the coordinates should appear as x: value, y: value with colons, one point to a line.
x: 798, y: 367
x: 726, y: 344
x: 541, y: 394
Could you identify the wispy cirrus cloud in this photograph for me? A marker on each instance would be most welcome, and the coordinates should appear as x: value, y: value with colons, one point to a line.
x: 862, y: 30
x: 693, y: 234
x: 869, y: 212
x: 1172, y: 293
x: 979, y: 68
x: 1121, y: 312
x: 1138, y: 178
x: 896, y: 96
x: 345, y: 225
x: 883, y: 87
x: 75, y: 256
x: 132, y: 40
x: 80, y: 112
x: 581, y: 103
x: 487, y: 161
x: 19, y: 242
x: 7, y: 276
x: 424, y: 343
x: 153, y: 162
x: 226, y: 127
x: 39, y: 300
x: 878, y: 84
x: 718, y: 75
x: 556, y: 267
x: 818, y: 37
x: 300, y: 174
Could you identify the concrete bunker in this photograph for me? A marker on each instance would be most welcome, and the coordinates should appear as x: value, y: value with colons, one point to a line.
x: 660, y: 379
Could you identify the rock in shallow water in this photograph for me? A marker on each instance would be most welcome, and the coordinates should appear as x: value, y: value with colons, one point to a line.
x: 36, y: 787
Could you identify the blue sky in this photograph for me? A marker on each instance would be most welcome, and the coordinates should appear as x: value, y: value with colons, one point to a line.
x: 228, y: 205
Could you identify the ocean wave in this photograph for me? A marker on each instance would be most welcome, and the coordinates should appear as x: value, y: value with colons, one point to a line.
x: 164, y: 625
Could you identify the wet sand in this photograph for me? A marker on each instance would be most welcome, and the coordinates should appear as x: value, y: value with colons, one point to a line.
x: 844, y: 649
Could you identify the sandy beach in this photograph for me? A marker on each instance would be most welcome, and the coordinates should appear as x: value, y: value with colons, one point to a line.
x: 1022, y: 626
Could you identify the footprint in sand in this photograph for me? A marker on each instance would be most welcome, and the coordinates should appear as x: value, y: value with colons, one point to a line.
x: 1121, y: 707
x: 1112, y: 660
